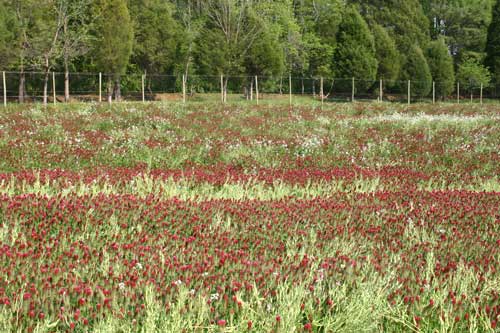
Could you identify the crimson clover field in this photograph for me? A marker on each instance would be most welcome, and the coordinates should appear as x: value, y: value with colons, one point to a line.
x: 237, y: 218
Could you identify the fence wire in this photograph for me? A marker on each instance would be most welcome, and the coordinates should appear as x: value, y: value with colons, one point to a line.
x: 95, y: 87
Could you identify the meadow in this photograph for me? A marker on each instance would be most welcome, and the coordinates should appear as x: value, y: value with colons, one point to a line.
x: 164, y: 217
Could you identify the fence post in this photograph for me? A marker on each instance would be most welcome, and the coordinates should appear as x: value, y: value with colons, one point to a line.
x: 257, y: 89
x: 4, y: 90
x: 321, y: 90
x: 142, y: 86
x: 352, y: 94
x: 222, y: 88
x: 433, y: 92
x: 409, y: 92
x: 458, y: 92
x: 481, y: 95
x: 54, y: 87
x: 100, y: 87
x: 290, y: 88
x: 184, y: 88
x: 381, y: 91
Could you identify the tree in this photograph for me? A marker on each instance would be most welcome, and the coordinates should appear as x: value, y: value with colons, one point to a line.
x: 228, y: 36
x: 114, y: 34
x: 27, y: 18
x: 355, y: 53
x: 156, y: 35
x: 319, y: 22
x: 387, y: 54
x: 404, y: 20
x: 75, y: 35
x: 464, y: 25
x: 472, y: 74
x: 416, y: 69
x: 7, y: 36
x: 441, y: 67
x: 493, y: 44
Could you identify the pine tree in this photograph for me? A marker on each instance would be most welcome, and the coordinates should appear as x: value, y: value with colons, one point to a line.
x: 416, y: 70
x: 355, y: 53
x: 493, y: 45
x: 441, y: 67
x: 114, y: 41
x: 387, y: 54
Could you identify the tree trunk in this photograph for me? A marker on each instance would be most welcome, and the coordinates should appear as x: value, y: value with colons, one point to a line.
x: 66, y: 81
x: 45, y: 87
x: 117, y: 89
x: 110, y: 90
x: 251, y: 90
x: 281, y: 85
x: 302, y: 83
x: 22, y: 84
x: 225, y: 89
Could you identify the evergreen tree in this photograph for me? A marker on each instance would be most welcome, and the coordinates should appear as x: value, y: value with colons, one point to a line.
x: 156, y: 35
x: 416, y: 69
x: 7, y: 36
x: 405, y: 20
x: 387, y: 54
x: 113, y: 47
x: 441, y: 67
x: 464, y: 25
x: 355, y: 53
x: 493, y: 45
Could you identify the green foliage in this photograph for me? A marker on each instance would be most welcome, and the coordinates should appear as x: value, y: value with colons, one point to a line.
x: 464, y: 25
x: 493, y: 45
x: 405, y: 20
x: 441, y: 67
x: 266, y: 55
x: 319, y: 22
x: 355, y: 53
x: 7, y: 36
x: 387, y: 54
x: 114, y: 31
x: 417, y: 70
x: 156, y: 35
x: 471, y: 74
x: 307, y: 38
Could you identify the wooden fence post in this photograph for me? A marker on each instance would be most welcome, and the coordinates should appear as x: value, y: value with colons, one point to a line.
x: 222, y: 88
x: 290, y: 88
x: 257, y: 89
x: 409, y: 92
x: 352, y: 93
x: 142, y: 86
x: 4, y: 89
x: 321, y: 90
x: 184, y: 88
x: 381, y: 91
x: 100, y: 87
x: 54, y: 87
x: 481, y: 95
x: 433, y: 92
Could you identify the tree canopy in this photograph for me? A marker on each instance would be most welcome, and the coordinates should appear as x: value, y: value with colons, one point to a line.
x: 393, y: 40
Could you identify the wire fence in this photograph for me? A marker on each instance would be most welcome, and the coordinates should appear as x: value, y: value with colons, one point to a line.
x: 28, y: 87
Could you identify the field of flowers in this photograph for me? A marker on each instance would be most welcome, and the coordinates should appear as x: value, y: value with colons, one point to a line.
x: 211, y: 218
